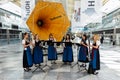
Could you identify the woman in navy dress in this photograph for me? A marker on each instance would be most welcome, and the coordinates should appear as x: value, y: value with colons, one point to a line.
x: 83, y: 52
x: 52, y: 53
x: 27, y: 56
x: 68, y: 52
x: 37, y: 50
x: 94, y: 64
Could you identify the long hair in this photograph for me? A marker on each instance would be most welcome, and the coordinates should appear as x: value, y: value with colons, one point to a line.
x: 68, y: 36
x: 85, y: 36
x: 24, y: 34
x: 50, y: 35
x: 36, y: 36
x: 96, y: 37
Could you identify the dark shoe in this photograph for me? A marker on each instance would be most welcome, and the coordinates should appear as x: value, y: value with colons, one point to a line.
x: 29, y: 69
x: 36, y: 65
x: 51, y: 62
x: 64, y: 63
x: 26, y: 70
x: 69, y: 63
x: 82, y: 65
x: 54, y: 62
x: 95, y: 73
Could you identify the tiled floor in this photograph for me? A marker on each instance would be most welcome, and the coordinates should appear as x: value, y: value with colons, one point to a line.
x: 11, y: 66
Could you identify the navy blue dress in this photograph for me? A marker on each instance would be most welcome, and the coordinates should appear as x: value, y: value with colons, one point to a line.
x: 68, y: 53
x: 95, y: 61
x: 83, y: 53
x: 37, y: 53
x: 52, y: 53
x: 27, y: 57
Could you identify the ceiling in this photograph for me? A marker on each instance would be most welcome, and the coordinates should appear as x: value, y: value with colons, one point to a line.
x: 17, y: 2
x: 68, y: 4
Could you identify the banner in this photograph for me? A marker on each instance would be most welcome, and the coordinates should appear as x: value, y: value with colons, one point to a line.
x: 75, y: 22
x: 90, y: 11
x: 26, y: 7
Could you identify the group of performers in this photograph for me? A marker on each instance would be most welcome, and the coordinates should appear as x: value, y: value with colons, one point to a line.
x: 35, y: 56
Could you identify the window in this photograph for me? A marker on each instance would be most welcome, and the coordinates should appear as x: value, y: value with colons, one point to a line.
x: 14, y: 26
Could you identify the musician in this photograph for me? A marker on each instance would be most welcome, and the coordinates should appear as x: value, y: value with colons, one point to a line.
x: 27, y: 56
x: 83, y: 52
x: 52, y: 53
x: 37, y: 50
x: 68, y: 52
x: 94, y: 64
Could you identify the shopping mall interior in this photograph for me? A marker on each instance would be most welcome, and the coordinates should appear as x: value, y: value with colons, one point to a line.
x: 77, y: 18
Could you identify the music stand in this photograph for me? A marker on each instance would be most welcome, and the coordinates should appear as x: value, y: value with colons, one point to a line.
x: 39, y: 66
x: 77, y: 63
x: 67, y: 44
x: 57, y: 43
x: 88, y: 54
x: 45, y: 47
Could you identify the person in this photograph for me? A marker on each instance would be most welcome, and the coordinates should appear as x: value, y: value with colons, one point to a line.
x: 78, y: 15
x: 111, y: 39
x: 27, y: 56
x: 102, y: 39
x: 75, y: 15
x: 37, y: 50
x: 52, y: 53
x: 94, y: 64
x: 83, y: 52
x: 68, y: 52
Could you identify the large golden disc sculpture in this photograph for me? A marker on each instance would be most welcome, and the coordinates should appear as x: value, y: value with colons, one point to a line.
x: 48, y: 17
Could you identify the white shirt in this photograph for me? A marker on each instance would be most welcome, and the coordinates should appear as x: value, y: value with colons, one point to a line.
x: 33, y: 41
x: 23, y: 42
x: 66, y: 41
x: 98, y: 43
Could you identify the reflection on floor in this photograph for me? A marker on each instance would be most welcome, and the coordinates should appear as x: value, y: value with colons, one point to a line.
x: 11, y: 67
